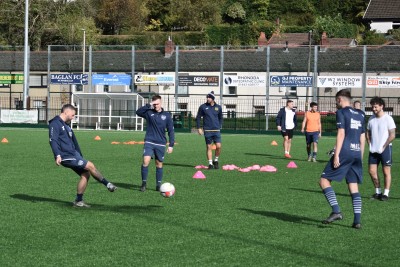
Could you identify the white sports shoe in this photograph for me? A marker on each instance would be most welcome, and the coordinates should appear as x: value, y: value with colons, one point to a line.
x: 80, y: 204
x: 111, y: 187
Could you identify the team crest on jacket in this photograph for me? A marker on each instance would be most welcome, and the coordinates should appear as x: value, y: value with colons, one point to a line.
x: 216, y: 108
x: 163, y: 117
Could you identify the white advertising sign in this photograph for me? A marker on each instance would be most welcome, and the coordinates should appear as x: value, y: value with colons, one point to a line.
x: 383, y: 82
x: 155, y: 79
x: 19, y: 116
x: 245, y: 80
x: 340, y: 81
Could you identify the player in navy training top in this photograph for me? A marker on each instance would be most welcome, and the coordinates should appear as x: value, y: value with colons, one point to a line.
x: 212, y: 124
x: 347, y: 160
x: 68, y: 153
x: 155, y: 140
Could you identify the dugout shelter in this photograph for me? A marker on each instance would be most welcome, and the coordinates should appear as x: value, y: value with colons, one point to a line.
x: 109, y: 111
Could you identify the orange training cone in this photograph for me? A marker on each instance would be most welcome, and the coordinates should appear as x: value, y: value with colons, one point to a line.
x: 4, y: 140
x: 199, y: 175
x: 274, y: 143
x: 98, y: 138
x: 213, y: 147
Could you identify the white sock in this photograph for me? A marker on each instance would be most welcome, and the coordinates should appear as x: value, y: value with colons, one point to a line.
x: 286, y: 152
x: 216, y: 158
x: 386, y: 192
x: 210, y: 162
x: 378, y: 190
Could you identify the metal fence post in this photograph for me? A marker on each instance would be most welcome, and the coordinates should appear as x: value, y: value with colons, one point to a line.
x: 176, y: 76
x: 267, y: 89
x: 364, y: 77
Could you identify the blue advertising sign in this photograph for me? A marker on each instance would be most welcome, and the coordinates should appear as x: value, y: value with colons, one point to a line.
x: 290, y: 81
x: 111, y: 79
x: 73, y: 78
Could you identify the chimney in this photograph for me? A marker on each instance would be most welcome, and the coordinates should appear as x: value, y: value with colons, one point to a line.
x: 262, y: 40
x: 324, y: 39
x: 169, y: 47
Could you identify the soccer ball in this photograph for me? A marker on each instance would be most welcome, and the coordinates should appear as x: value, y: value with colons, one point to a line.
x: 167, y: 190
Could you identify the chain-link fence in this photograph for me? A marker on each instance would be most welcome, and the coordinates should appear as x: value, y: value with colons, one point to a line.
x: 244, y: 102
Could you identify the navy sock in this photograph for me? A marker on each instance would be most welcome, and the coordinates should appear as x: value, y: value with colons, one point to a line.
x: 357, y: 203
x: 314, y: 154
x: 159, y: 175
x: 79, y: 197
x: 331, y: 197
x: 104, y: 181
x: 145, y: 172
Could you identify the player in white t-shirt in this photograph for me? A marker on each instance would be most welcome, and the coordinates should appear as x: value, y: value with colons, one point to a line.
x: 380, y: 134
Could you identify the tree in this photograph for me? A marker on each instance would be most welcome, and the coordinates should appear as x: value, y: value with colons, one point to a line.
x: 235, y: 13
x: 119, y: 16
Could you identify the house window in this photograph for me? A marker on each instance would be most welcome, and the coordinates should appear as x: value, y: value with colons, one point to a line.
x: 291, y: 91
x: 259, y: 110
x: 38, y: 81
x: 230, y: 111
x: 231, y: 90
x: 183, y: 90
x: 182, y: 106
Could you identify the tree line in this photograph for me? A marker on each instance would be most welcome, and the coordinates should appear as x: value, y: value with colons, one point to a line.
x: 61, y: 22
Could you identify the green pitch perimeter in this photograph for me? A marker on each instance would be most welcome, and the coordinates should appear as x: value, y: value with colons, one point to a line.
x: 229, y: 219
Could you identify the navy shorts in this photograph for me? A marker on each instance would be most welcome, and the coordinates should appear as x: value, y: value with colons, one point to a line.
x: 350, y: 168
x: 212, y: 137
x: 288, y: 133
x: 312, y: 137
x: 385, y: 158
x: 77, y: 163
x: 154, y: 151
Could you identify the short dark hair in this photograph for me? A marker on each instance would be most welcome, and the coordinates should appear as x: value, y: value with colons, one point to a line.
x: 289, y: 101
x: 344, y: 93
x: 377, y: 101
x: 156, y: 97
x: 68, y: 106
x: 313, y: 104
x: 357, y: 101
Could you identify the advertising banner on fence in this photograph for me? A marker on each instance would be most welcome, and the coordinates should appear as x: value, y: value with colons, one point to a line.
x: 245, y: 80
x: 111, y: 79
x: 73, y: 78
x: 19, y: 116
x: 154, y: 79
x: 195, y: 80
x: 11, y: 78
x: 383, y: 82
x: 291, y: 81
x: 340, y: 81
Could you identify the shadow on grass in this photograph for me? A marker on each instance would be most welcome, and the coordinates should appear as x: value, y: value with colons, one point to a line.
x: 116, y: 208
x: 291, y: 218
x: 281, y: 157
x: 338, y: 194
x: 179, y: 165
x: 127, y: 186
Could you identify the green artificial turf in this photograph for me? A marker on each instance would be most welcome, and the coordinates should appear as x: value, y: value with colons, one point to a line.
x: 228, y: 219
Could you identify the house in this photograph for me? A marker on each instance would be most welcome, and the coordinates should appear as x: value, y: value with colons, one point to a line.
x: 383, y: 15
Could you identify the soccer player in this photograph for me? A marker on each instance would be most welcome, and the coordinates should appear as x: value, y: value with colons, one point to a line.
x: 313, y: 130
x: 380, y: 134
x: 357, y: 105
x: 68, y: 153
x: 155, y: 141
x: 347, y: 160
x: 286, y: 121
x: 212, y: 124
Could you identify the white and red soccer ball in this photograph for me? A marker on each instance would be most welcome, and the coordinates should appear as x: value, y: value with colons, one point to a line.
x: 167, y: 190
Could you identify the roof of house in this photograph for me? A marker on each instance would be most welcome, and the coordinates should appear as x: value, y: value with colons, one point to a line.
x: 293, y: 59
x: 293, y: 39
x: 383, y: 9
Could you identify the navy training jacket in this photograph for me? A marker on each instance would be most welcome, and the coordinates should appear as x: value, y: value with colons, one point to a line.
x: 157, y: 122
x: 212, y: 117
x: 62, y: 139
